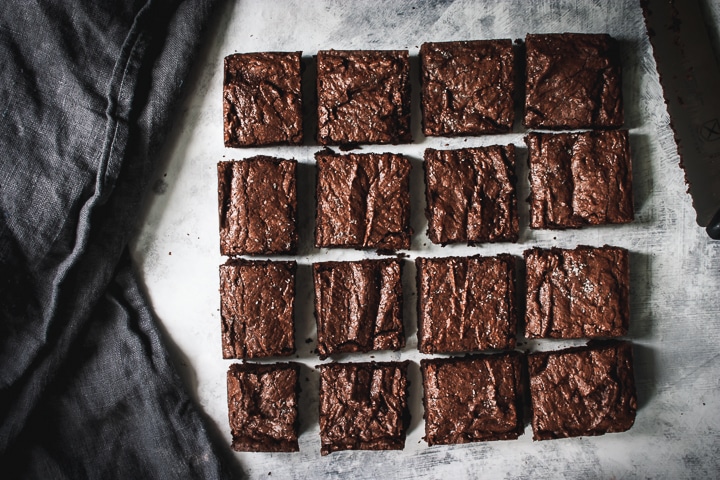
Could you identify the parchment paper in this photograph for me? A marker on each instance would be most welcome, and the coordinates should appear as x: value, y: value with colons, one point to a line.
x: 675, y: 268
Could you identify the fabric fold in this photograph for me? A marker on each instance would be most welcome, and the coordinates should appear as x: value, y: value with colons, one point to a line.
x: 87, y: 96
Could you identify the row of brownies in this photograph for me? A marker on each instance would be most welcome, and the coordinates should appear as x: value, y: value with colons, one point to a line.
x: 572, y: 81
x: 363, y: 199
x: 578, y: 391
x: 465, y: 304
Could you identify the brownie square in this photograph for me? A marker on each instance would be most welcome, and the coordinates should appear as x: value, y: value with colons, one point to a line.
x: 466, y: 303
x: 363, y: 406
x: 257, y: 205
x: 263, y: 407
x: 472, y: 399
x: 582, y: 391
x: 358, y: 306
x: 257, y: 304
x: 578, y: 293
x: 467, y: 87
x: 363, y: 201
x: 363, y: 96
x: 572, y: 81
x: 470, y: 194
x: 579, y: 179
x: 262, y: 99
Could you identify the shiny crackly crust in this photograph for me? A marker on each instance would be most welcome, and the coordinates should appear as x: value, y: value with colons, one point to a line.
x: 363, y: 406
x: 257, y: 307
x: 263, y: 407
x: 262, y: 99
x: 572, y: 81
x: 582, y: 391
x: 358, y: 306
x: 466, y: 303
x: 578, y: 293
x: 471, y: 399
x: 363, y: 201
x: 470, y: 195
x: 363, y: 96
x: 257, y: 205
x: 579, y: 179
x: 467, y: 87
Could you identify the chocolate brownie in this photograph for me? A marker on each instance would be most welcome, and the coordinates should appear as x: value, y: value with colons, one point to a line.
x: 363, y: 406
x: 467, y: 87
x: 257, y: 205
x: 579, y: 179
x: 262, y: 99
x: 579, y: 293
x: 263, y: 407
x: 257, y: 307
x: 472, y: 399
x: 358, y: 306
x: 470, y: 194
x: 466, y: 303
x: 582, y: 391
x: 572, y: 81
x: 363, y: 201
x: 363, y: 96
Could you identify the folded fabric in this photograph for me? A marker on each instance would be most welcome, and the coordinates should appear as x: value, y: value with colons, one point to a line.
x: 87, y: 91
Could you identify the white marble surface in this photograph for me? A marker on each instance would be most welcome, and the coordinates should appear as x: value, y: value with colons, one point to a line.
x: 675, y: 305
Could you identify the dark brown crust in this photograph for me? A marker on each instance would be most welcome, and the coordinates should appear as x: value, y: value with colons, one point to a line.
x: 467, y: 87
x: 470, y: 195
x: 363, y: 201
x: 579, y: 293
x: 363, y: 406
x: 579, y: 179
x: 572, y: 81
x: 263, y: 407
x: 466, y: 304
x: 582, y: 391
x: 262, y: 99
x: 472, y: 399
x: 363, y: 97
x: 257, y: 205
x: 257, y: 308
x: 358, y: 306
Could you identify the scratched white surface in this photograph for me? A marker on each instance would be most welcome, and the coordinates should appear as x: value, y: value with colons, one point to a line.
x: 675, y: 305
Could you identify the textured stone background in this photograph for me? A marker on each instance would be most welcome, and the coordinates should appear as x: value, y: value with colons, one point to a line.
x: 675, y: 305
